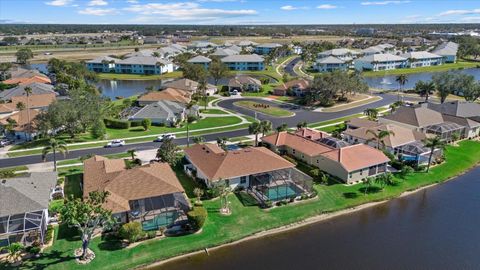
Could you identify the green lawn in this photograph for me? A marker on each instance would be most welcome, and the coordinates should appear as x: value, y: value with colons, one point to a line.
x: 72, y: 184
x: 246, y: 219
x: 444, y: 67
x: 266, y: 91
x: 115, y: 76
x: 336, y: 120
x: 270, y: 110
x: 201, y: 102
x: 212, y: 111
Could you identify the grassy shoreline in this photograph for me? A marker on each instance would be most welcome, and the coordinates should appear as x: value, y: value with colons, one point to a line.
x: 441, y: 68
x: 247, y: 221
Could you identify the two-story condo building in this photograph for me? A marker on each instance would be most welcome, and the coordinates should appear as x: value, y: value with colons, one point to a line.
x: 143, y: 65
x: 448, y: 51
x: 200, y: 60
x: 341, y: 53
x: 244, y: 62
x: 102, y: 64
x: 383, y: 61
x: 329, y: 64
x: 422, y: 59
x: 266, y: 48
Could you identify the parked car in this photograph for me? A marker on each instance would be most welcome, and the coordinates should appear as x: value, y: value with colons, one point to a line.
x: 5, y: 142
x: 163, y: 137
x: 115, y: 143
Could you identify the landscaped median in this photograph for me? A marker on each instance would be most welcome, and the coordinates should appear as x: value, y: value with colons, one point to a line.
x: 247, y: 220
x: 264, y: 108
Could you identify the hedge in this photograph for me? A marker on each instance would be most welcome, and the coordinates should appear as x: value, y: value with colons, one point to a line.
x: 135, y: 123
x: 118, y: 124
x: 197, y: 216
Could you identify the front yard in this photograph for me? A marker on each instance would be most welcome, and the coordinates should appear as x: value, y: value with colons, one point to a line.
x: 264, y: 108
x: 246, y: 219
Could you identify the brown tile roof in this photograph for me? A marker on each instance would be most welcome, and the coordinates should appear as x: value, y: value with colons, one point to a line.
x: 171, y: 94
x: 21, y: 119
x: 217, y: 164
x: 301, y: 84
x: 35, y: 101
x: 399, y: 137
x: 310, y: 133
x: 358, y: 156
x: 186, y: 84
x: 418, y: 116
x: 7, y: 107
x: 28, y: 80
x: 361, y: 122
x: 297, y: 142
x: 124, y: 185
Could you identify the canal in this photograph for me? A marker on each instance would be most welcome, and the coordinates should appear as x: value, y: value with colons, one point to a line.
x: 435, y: 228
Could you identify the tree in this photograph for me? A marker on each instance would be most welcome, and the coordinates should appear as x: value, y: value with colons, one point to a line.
x: 218, y: 70
x: 198, y: 140
x: 224, y: 190
x: 222, y: 142
x: 282, y: 127
x: 433, y: 143
x: 455, y: 137
x: 188, y: 107
x: 28, y: 92
x: 265, y: 127
x: 11, y: 124
x: 425, y: 89
x: 23, y: 55
x: 194, y: 72
x: 301, y: 124
x: 255, y: 128
x: 132, y: 153
x: 20, y: 106
x: 444, y: 83
x: 54, y: 146
x: 146, y: 123
x: 99, y: 130
x: 405, y: 171
x: 198, y: 192
x: 384, y: 179
x: 202, y: 87
x: 368, y: 183
x: 87, y: 216
x: 167, y: 152
x: 14, y: 251
x: 131, y: 231
x: 471, y: 92
x: 379, y: 135
x: 402, y: 80
x: 371, y: 113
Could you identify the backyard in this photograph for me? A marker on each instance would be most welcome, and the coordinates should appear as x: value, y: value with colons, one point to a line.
x: 264, y: 108
x: 246, y: 219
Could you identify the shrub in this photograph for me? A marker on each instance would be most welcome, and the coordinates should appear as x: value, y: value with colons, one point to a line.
x: 213, y: 192
x: 192, y: 118
x: 397, y: 164
x: 135, y: 123
x: 146, y: 123
x: 118, y: 124
x: 151, y: 234
x: 158, y: 124
x: 98, y: 129
x: 268, y: 204
x: 34, y: 250
x: 197, y: 216
x: 60, y: 180
x: 131, y: 231
x: 7, y: 173
x: 290, y: 159
x: 49, y: 234
x: 55, y: 206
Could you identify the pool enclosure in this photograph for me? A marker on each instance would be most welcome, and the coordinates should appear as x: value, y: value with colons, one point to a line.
x: 25, y: 228
x: 280, y: 185
x: 445, y: 130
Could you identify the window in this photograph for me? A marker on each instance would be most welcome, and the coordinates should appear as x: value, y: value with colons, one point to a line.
x: 293, y: 151
x: 243, y: 180
x: 350, y: 175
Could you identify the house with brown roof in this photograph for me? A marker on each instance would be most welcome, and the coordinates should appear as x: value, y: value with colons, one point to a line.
x: 242, y: 83
x: 189, y: 86
x: 170, y: 94
x: 20, y: 124
x: 294, y: 88
x: 350, y: 163
x: 150, y: 194
x: 268, y: 176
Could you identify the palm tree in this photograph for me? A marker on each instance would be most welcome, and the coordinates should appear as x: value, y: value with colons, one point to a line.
x: 282, y: 127
x: 402, y: 80
x: 20, y: 106
x: 371, y: 113
x: 455, y: 137
x: 255, y: 128
x: 384, y: 179
x: 202, y: 87
x: 28, y: 91
x: 14, y: 252
x: 198, y: 140
x: 265, y: 127
x: 188, y: 107
x: 425, y: 89
x: 301, y: 124
x: 54, y: 146
x: 132, y: 154
x: 222, y: 142
x: 11, y: 124
x: 379, y: 136
x: 433, y: 143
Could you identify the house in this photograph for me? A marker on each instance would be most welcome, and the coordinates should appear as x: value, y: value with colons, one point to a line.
x: 23, y: 127
x: 423, y: 119
x: 242, y: 83
x: 422, y: 59
x: 149, y: 194
x: 382, y: 61
x: 148, y: 65
x: 266, y: 175
x: 244, y: 62
x: 24, y: 208
x: 18, y: 91
x: 350, y: 163
x: 163, y: 112
x: 466, y: 114
x: 294, y: 88
x: 343, y: 54
x: 405, y: 143
x: 266, y: 48
x: 170, y: 94
x: 104, y: 64
x: 247, y: 43
x: 223, y: 52
x: 448, y: 50
x: 200, y: 60
x: 378, y: 49
x: 201, y: 45
x: 355, y: 123
x: 329, y: 64
x: 190, y: 86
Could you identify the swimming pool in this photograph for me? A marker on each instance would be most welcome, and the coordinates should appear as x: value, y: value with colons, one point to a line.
x: 282, y: 192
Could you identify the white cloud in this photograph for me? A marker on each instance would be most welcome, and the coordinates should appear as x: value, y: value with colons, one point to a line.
x: 383, y: 3
x: 186, y: 11
x: 326, y: 6
x: 471, y: 19
x: 59, y: 3
x: 289, y: 8
x: 132, y: 1
x: 97, y: 3
x: 460, y: 12
x: 98, y: 11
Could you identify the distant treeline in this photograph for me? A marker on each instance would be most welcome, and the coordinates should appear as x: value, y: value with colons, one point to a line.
x: 235, y: 30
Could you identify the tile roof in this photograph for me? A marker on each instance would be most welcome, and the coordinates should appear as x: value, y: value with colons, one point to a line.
x: 418, y: 116
x: 240, y: 80
x: 301, y: 84
x: 171, y: 94
x: 186, y: 84
x: 124, y: 185
x: 361, y: 122
x: 199, y: 59
x: 216, y: 163
x: 420, y: 55
x: 382, y: 57
x: 37, y: 88
x: 357, y: 156
x: 21, y: 119
x: 297, y: 142
x: 29, y: 80
x: 399, y: 137
x: 26, y: 193
x: 35, y: 101
x: 251, y: 58
x: 310, y: 133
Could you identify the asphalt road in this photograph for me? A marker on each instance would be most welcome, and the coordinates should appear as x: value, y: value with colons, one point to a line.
x: 289, y: 67
x: 300, y: 115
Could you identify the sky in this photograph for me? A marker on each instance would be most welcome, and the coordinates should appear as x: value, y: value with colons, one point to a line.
x: 239, y: 11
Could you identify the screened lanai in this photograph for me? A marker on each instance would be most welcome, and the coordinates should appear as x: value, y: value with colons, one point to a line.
x: 24, y: 228
x: 445, y: 130
x: 414, y: 151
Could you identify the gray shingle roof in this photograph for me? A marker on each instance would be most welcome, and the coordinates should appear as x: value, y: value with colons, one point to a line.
x: 447, y: 48
x: 162, y: 109
x: 420, y: 55
x: 416, y: 116
x: 457, y: 108
x: 25, y: 194
x: 37, y: 89
x: 252, y: 58
x: 269, y: 45
x: 330, y: 60
x: 381, y: 57
x: 199, y: 59
x: 338, y: 52
x: 143, y: 60
x: 99, y: 60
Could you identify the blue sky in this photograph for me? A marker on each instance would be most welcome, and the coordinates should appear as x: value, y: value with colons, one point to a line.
x: 239, y: 11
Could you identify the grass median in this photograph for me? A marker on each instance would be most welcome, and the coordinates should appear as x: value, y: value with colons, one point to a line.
x: 264, y: 108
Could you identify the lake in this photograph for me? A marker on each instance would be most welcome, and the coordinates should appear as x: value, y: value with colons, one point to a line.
x: 436, y: 228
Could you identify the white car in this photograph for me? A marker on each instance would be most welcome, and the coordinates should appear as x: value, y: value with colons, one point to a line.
x: 115, y: 143
x: 163, y: 137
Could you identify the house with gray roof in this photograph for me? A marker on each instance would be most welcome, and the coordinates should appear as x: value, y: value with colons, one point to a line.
x: 200, y: 60
x: 382, y: 61
x: 448, y: 50
x: 24, y: 207
x: 164, y: 112
x: 341, y: 53
x: 330, y: 63
x: 422, y: 59
x: 244, y: 62
x: 18, y: 91
x: 221, y: 52
x: 463, y: 113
